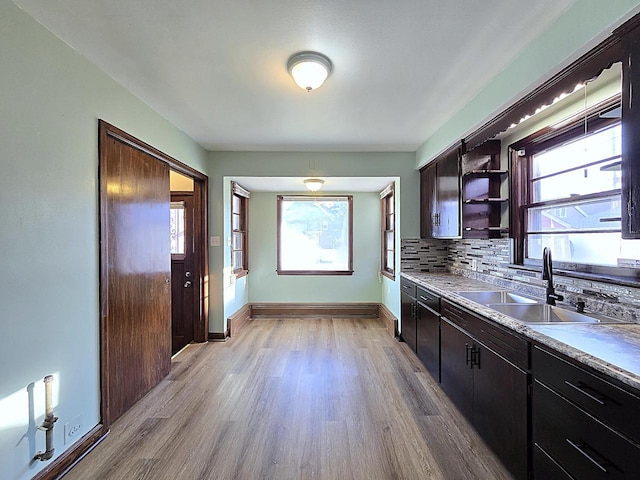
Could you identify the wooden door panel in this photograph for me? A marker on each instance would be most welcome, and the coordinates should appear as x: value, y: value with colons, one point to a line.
x: 136, y: 344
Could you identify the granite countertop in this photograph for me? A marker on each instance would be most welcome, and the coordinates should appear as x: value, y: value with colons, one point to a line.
x: 612, y: 348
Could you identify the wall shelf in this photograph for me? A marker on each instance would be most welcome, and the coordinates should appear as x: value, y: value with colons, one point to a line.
x: 482, y: 200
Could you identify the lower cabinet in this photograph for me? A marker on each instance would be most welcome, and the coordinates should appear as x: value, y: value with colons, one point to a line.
x: 408, y: 313
x: 546, y: 416
x: 578, y: 422
x: 488, y: 389
x: 428, y: 331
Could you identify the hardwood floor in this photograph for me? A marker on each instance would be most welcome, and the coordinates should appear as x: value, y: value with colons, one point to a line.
x: 294, y: 399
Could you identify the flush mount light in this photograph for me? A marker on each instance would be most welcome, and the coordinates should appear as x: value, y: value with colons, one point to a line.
x: 309, y: 69
x: 313, y: 184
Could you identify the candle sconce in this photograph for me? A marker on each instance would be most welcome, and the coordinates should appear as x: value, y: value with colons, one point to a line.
x: 48, y: 422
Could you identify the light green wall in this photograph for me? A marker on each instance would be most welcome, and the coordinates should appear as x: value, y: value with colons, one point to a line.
x: 226, y: 297
x: 582, y: 27
x: 51, y: 99
x: 267, y: 286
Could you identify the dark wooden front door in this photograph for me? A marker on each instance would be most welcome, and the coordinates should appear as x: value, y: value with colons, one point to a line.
x: 135, y: 271
x: 184, y: 278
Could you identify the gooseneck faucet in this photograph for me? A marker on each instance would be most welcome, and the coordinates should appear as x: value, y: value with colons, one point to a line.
x: 547, y: 274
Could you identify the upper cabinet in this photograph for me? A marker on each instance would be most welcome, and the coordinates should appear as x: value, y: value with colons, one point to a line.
x: 440, y: 197
x: 630, y: 208
x: 482, y: 203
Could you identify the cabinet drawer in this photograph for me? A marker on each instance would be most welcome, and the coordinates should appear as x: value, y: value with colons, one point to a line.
x: 428, y: 299
x: 501, y: 341
x: 465, y: 320
x: 546, y: 467
x: 605, y: 401
x: 584, y: 447
x: 408, y: 287
x: 511, y: 347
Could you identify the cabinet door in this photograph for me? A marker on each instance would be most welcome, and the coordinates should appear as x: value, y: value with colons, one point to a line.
x: 428, y: 339
x: 631, y: 136
x: 427, y: 201
x: 500, y: 409
x: 456, y: 374
x: 408, y: 320
x: 448, y: 196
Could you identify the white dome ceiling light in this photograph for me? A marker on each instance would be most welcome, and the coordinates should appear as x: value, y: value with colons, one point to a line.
x: 314, y: 184
x: 309, y: 69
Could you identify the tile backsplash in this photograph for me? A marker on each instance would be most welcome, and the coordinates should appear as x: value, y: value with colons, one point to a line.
x: 490, y: 261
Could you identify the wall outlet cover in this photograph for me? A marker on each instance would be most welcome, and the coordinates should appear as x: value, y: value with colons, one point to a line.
x: 72, y: 430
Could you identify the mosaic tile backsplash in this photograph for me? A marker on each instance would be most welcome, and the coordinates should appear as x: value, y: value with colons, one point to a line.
x: 490, y: 261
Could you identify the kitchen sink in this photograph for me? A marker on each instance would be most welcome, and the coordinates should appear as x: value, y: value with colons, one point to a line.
x: 543, y: 313
x: 498, y: 296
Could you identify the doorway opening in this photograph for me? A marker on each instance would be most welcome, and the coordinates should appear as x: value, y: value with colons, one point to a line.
x: 184, y: 291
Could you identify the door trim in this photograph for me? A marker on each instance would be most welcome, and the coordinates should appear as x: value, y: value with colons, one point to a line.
x: 201, y: 260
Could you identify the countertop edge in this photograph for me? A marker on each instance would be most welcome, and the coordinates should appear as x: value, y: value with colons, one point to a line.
x: 441, y: 283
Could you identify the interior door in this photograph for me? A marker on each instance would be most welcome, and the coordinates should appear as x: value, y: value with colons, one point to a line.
x: 184, y: 280
x: 135, y: 271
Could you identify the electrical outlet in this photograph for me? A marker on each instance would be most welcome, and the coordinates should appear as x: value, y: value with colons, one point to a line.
x: 72, y: 430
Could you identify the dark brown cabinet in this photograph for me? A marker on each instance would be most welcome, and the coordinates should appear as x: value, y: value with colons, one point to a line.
x: 482, y: 203
x: 440, y: 198
x: 408, y: 313
x: 480, y: 375
x: 582, y: 423
x: 428, y: 331
x: 631, y: 135
x: 456, y: 370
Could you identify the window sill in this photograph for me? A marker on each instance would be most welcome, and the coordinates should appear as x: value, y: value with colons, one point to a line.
x: 597, y: 277
x: 314, y: 272
x: 388, y: 274
x: 240, y: 273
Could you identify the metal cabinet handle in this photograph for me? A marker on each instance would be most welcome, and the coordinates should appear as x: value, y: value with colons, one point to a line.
x: 580, y: 447
x: 467, y: 349
x: 582, y: 389
x: 475, y: 357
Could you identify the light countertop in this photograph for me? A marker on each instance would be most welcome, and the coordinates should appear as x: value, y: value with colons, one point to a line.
x: 611, y: 348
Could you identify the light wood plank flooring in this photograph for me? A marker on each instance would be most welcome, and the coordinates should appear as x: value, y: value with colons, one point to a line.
x: 294, y: 399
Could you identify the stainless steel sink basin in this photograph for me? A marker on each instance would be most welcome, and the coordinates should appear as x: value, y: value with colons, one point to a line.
x: 498, y: 296
x: 543, y: 313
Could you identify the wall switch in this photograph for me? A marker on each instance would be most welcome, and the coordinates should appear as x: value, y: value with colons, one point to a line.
x: 214, y: 241
x: 72, y: 430
x: 474, y: 264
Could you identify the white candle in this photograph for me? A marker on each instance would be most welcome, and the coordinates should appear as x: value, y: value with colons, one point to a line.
x: 48, y: 395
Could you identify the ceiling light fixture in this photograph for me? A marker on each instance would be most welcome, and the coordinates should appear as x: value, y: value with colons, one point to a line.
x: 309, y: 69
x: 313, y: 184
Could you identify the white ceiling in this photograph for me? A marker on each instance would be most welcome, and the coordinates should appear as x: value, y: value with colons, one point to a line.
x: 217, y: 68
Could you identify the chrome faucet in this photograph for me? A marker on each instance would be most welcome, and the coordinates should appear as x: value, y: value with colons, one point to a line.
x: 547, y: 274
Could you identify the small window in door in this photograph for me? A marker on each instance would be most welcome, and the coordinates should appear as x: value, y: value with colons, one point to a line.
x: 177, y: 229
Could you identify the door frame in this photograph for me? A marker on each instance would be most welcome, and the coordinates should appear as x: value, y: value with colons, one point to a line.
x: 201, y: 258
